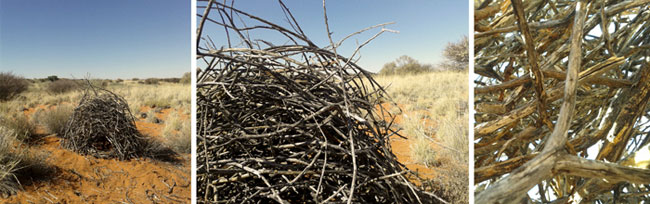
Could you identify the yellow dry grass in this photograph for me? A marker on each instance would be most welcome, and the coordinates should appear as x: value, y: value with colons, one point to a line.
x: 161, y: 96
x: 435, y: 119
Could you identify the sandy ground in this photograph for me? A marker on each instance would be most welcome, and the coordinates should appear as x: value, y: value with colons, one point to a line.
x: 86, y: 179
x: 402, y: 150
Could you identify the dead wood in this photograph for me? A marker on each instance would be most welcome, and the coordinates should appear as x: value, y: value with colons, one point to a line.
x: 554, y: 98
x: 282, y: 120
x: 102, y: 126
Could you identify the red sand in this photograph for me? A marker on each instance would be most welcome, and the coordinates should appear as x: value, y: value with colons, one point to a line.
x: 85, y: 179
x: 401, y: 148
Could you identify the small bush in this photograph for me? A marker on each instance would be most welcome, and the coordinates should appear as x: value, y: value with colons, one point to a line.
x: 53, y: 78
x: 119, y: 81
x: 11, y: 85
x: 405, y: 65
x: 151, y: 81
x: 56, y: 119
x: 171, y: 80
x: 187, y: 78
x: 62, y: 86
x: 20, y: 125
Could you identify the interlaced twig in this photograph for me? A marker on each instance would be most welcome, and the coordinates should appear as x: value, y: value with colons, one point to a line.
x: 291, y: 122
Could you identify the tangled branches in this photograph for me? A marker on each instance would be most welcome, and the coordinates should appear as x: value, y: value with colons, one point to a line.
x: 290, y: 123
x: 526, y: 132
x: 102, y: 125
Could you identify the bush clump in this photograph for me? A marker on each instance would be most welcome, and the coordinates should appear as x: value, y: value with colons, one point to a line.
x: 405, y: 65
x: 11, y: 85
x: 151, y: 81
x: 62, y: 86
x: 53, y: 78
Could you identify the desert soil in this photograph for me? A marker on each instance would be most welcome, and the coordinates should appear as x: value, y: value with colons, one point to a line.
x: 402, y: 150
x: 86, y: 179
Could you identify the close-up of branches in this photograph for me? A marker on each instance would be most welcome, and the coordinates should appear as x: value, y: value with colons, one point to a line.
x: 561, y: 94
x: 287, y: 121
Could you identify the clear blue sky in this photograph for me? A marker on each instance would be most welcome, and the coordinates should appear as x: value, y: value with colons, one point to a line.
x: 425, y: 26
x: 107, y: 39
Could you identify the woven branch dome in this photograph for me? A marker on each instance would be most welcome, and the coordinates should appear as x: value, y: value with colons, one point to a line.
x: 103, y: 126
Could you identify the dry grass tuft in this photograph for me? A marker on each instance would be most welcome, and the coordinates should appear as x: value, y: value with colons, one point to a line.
x: 56, y: 119
x: 19, y: 165
x: 20, y: 125
x: 435, y: 119
x: 177, y: 132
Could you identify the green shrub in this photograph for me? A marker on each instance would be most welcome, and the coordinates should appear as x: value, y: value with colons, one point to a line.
x: 56, y: 119
x: 11, y: 85
x: 53, y: 78
x: 62, y: 86
x: 405, y: 65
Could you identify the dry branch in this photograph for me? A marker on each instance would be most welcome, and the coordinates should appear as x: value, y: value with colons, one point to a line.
x: 592, y: 87
x: 288, y: 121
x: 102, y: 125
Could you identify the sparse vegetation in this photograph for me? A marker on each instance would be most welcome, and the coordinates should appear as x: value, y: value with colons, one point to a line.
x: 11, y: 85
x: 151, y: 81
x: 56, y: 119
x: 151, y: 116
x: 40, y: 109
x: 405, y: 65
x: 62, y: 86
x: 20, y: 125
x: 177, y: 132
x: 434, y: 118
x: 18, y: 163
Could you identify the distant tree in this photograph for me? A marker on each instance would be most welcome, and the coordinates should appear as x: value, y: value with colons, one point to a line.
x: 404, y: 65
x: 53, y: 78
x: 457, y: 55
x: 388, y: 69
x: 187, y: 78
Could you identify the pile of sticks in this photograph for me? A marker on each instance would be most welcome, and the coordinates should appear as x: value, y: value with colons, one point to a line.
x: 102, y: 125
x: 290, y: 123
x: 561, y: 100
